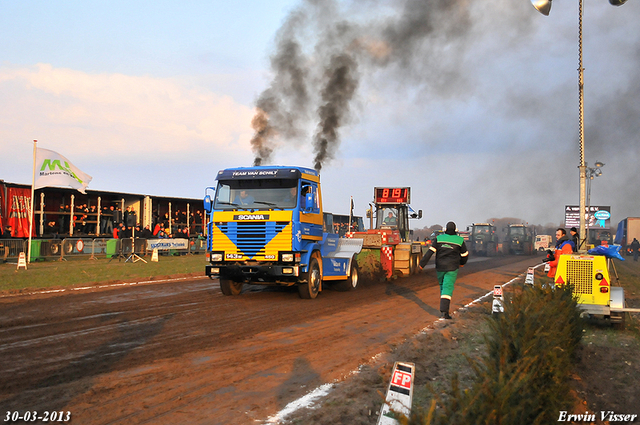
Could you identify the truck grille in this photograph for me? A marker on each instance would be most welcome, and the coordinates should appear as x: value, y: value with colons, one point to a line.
x: 580, y: 276
x: 251, y: 236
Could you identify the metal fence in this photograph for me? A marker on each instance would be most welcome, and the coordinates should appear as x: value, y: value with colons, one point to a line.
x: 91, y: 248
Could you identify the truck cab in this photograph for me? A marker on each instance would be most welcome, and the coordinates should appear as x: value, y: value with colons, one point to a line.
x: 267, y: 227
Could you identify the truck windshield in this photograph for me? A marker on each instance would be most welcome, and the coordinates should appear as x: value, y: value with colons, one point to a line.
x: 256, y: 194
x: 481, y: 230
x: 516, y: 231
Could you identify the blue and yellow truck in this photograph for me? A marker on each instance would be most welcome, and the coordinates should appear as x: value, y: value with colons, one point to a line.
x: 266, y: 226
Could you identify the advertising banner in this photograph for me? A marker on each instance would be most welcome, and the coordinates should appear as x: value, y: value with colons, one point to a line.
x: 2, y: 213
x: 167, y: 244
x: 598, y: 217
x: 18, y: 211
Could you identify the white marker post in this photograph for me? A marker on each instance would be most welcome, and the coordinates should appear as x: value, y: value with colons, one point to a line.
x: 530, y: 277
x: 498, y: 300
x: 399, y: 394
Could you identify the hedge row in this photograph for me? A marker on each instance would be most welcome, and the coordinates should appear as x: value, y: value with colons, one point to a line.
x: 524, y: 378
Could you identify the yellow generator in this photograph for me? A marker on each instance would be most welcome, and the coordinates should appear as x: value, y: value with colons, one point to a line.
x: 588, y: 276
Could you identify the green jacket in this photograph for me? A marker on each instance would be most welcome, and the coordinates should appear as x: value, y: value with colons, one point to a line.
x: 451, y: 253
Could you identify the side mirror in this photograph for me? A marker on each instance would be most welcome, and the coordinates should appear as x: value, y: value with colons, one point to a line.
x: 308, y: 202
x: 419, y: 214
x: 208, y: 204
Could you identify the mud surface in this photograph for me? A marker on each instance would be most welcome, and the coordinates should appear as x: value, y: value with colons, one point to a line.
x: 181, y: 352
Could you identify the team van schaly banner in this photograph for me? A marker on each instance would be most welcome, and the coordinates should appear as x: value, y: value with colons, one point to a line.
x: 18, y: 211
x: 53, y: 169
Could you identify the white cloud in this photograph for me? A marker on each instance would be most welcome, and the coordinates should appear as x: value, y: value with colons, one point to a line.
x: 82, y: 114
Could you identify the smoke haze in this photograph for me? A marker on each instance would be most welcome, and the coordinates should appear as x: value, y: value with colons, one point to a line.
x: 517, y: 130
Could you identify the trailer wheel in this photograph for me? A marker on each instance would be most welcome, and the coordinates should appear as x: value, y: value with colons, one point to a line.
x: 351, y: 282
x: 617, y: 321
x: 230, y: 286
x: 310, y: 289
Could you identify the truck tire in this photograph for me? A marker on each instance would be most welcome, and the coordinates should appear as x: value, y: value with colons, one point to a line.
x: 230, y: 286
x: 351, y: 282
x: 310, y: 289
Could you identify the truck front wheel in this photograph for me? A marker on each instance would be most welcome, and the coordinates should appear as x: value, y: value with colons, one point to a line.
x: 310, y: 289
x: 230, y: 286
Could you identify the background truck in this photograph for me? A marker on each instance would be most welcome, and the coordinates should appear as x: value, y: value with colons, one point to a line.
x: 483, y: 239
x: 543, y: 242
x: 628, y: 229
x: 599, y: 237
x: 267, y: 227
x: 518, y: 240
x: 388, y: 241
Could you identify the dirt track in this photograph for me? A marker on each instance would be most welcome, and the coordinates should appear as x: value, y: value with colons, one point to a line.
x: 182, y: 352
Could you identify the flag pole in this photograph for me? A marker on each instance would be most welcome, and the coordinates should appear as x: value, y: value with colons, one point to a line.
x: 33, y: 183
x: 350, y: 214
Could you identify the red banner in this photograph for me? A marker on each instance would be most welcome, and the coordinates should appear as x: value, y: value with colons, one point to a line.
x: 18, y: 214
x: 1, y: 208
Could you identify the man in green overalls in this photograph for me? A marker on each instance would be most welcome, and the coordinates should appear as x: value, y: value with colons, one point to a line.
x: 451, y: 253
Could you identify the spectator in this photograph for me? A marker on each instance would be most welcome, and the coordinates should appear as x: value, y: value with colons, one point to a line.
x: 7, y: 234
x: 563, y: 246
x: 130, y: 218
x: 146, y: 233
x: 575, y: 237
x: 635, y: 247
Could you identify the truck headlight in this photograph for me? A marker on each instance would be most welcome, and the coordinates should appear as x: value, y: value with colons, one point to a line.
x: 217, y: 256
x: 287, y: 257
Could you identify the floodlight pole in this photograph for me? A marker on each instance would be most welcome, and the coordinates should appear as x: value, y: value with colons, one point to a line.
x: 583, y: 166
x: 544, y: 7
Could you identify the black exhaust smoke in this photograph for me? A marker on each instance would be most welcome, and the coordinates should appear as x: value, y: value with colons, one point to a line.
x: 323, y: 76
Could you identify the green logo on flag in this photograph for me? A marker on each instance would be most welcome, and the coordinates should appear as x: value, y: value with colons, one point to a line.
x: 56, y: 163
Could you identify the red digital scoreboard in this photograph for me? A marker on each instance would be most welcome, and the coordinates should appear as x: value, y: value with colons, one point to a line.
x: 392, y: 195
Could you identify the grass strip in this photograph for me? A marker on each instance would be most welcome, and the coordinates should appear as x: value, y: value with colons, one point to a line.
x: 62, y: 274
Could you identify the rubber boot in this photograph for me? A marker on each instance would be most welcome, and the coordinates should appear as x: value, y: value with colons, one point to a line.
x: 444, y: 308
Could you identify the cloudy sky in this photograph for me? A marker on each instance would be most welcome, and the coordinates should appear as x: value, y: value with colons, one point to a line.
x: 472, y: 104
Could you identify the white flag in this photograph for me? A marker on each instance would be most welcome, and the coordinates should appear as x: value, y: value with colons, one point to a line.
x: 53, y: 169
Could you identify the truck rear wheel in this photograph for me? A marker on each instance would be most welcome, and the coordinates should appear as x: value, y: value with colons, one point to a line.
x: 310, y: 289
x: 352, y: 281
x: 230, y: 286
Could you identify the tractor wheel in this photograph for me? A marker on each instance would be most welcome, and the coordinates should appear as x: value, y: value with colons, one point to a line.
x: 230, y: 286
x: 352, y: 281
x: 311, y: 288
